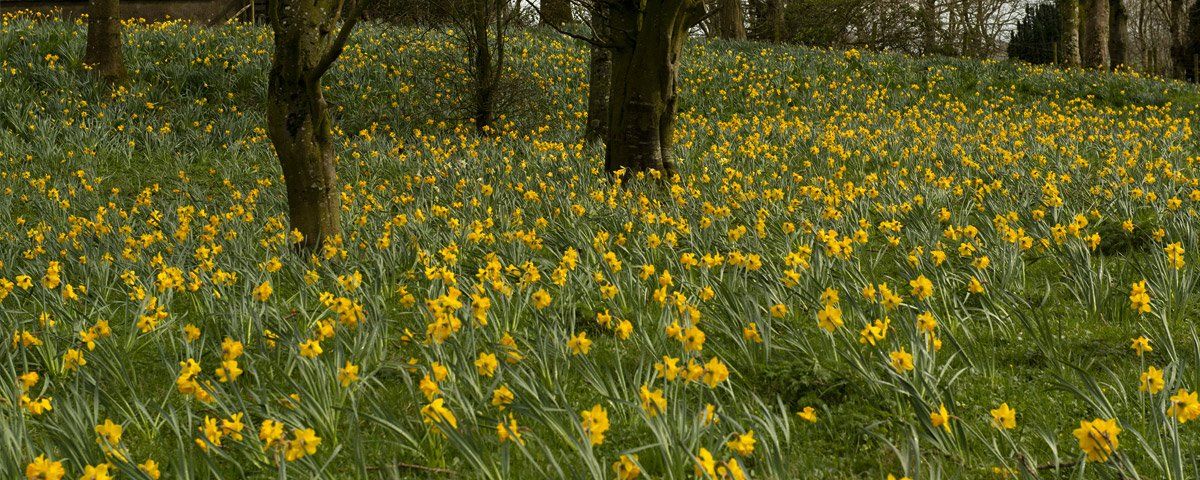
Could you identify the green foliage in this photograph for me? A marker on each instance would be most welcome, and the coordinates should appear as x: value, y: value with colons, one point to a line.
x: 801, y: 170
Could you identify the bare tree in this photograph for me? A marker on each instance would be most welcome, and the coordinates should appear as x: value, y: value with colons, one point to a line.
x: 768, y: 18
x: 487, y: 18
x: 482, y: 27
x: 930, y: 23
x: 1151, y: 47
x: 103, y: 53
x: 307, y: 43
x: 977, y: 28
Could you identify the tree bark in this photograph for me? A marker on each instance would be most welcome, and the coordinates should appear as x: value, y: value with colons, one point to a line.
x: 483, y: 69
x: 599, y: 72
x: 1069, y: 11
x: 732, y: 23
x: 1096, y: 36
x: 645, y: 62
x: 1177, y: 18
x: 775, y: 10
x: 954, y: 31
x: 1191, y: 69
x: 297, y: 121
x: 927, y: 11
x: 1118, y: 33
x: 555, y: 12
x: 103, y: 53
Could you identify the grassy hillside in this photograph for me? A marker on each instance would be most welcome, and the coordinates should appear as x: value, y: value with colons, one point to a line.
x: 865, y: 255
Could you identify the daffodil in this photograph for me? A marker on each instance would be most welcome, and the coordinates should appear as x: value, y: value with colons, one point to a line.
x: 43, y: 468
x: 1004, y: 417
x: 595, y: 424
x: 1098, y: 438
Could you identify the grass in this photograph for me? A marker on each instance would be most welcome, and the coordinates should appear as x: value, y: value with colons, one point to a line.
x: 802, y: 171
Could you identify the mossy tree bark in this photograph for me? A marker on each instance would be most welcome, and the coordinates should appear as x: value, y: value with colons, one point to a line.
x: 307, y: 43
x: 103, y: 53
x: 1069, y: 12
x: 647, y: 39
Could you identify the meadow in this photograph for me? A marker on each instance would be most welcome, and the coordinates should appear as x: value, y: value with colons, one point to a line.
x: 870, y: 266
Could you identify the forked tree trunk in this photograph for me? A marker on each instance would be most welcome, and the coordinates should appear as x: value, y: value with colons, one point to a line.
x: 1069, y: 11
x: 642, y: 102
x: 599, y: 71
x: 297, y: 121
x: 732, y: 22
x: 1118, y: 33
x: 1096, y: 36
x: 103, y: 53
x: 299, y: 128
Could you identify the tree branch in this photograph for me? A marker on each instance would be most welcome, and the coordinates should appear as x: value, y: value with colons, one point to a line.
x: 696, y: 14
x: 339, y: 43
x: 592, y: 40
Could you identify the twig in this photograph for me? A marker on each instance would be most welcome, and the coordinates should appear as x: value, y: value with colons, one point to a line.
x: 413, y: 466
x: 591, y: 40
x: 1056, y: 466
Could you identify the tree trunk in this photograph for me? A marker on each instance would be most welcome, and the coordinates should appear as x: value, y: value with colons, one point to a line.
x: 103, y: 52
x: 927, y: 11
x: 482, y: 67
x: 1118, y: 33
x: 598, y: 77
x: 1191, y: 69
x: 1177, y: 18
x: 775, y: 10
x: 1143, y: 49
x: 642, y: 102
x: 1069, y: 11
x: 555, y: 12
x: 952, y: 45
x: 732, y: 23
x: 297, y: 122
x: 1096, y: 36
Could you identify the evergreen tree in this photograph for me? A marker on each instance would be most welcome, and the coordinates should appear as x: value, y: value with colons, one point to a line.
x: 1036, y: 35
